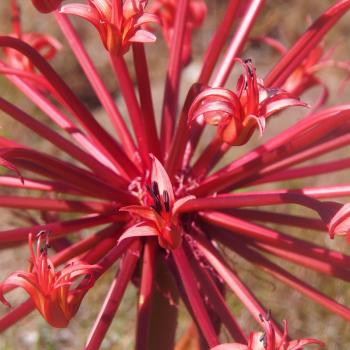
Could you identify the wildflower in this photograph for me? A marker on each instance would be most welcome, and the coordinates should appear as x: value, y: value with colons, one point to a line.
x: 118, y: 22
x: 237, y: 114
x: 46, y: 6
x: 159, y: 211
x: 166, y: 11
x: 267, y: 340
x: 51, y: 291
x: 304, y: 76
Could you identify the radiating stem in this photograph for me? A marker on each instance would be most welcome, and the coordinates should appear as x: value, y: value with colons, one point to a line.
x: 145, y: 94
x: 145, y: 296
x: 113, y: 298
x: 136, y: 114
x: 199, y: 310
x: 172, y: 83
x: 101, y: 138
x: 96, y: 83
x: 218, y: 41
x: 164, y: 310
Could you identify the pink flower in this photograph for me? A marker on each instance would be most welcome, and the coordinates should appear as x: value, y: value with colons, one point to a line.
x: 159, y: 212
x: 267, y: 340
x: 166, y: 10
x: 46, y: 6
x: 50, y: 290
x: 304, y: 76
x: 118, y: 22
x: 237, y: 114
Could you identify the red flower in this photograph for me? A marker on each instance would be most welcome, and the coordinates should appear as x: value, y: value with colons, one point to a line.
x: 267, y: 340
x: 46, y: 6
x: 50, y: 290
x: 304, y: 76
x: 118, y: 22
x: 159, y: 212
x: 237, y: 114
x: 166, y: 10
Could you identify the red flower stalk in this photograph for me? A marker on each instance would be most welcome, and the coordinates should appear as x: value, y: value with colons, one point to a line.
x: 267, y: 340
x: 168, y: 220
x: 46, y: 6
x: 166, y: 10
x: 237, y: 114
x: 118, y: 22
x: 51, y: 291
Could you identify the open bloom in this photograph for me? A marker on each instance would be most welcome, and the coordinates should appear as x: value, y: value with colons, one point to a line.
x: 46, y: 6
x: 237, y: 114
x: 159, y: 213
x: 118, y: 22
x: 51, y: 291
x: 267, y: 340
x: 166, y: 11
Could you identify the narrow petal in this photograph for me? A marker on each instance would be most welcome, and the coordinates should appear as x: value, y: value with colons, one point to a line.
x: 139, y: 230
x: 160, y: 176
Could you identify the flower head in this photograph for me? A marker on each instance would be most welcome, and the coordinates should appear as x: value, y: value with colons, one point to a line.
x: 237, y: 114
x: 159, y: 213
x: 51, y: 291
x: 118, y: 22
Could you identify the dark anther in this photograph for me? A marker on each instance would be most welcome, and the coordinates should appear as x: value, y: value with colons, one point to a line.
x: 250, y: 71
x: 155, y: 188
x: 248, y: 60
x: 261, y: 317
x: 166, y: 200
x: 263, y: 339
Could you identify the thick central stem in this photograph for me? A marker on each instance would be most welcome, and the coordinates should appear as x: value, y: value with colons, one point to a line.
x: 163, y: 310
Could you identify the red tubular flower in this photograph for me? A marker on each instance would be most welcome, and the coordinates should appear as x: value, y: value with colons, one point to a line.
x: 166, y: 10
x: 51, y: 291
x: 159, y: 212
x: 46, y: 6
x: 237, y: 114
x: 267, y: 340
x: 118, y: 22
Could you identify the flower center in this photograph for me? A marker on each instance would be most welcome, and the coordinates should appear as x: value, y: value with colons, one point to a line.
x: 161, y: 203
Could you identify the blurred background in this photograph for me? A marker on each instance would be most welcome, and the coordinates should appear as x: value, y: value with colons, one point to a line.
x: 284, y: 20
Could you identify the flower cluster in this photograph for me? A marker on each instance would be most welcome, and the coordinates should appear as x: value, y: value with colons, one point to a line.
x: 152, y: 201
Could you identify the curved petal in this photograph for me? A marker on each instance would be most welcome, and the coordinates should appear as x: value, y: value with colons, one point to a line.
x: 159, y: 175
x: 139, y: 230
x: 143, y: 212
